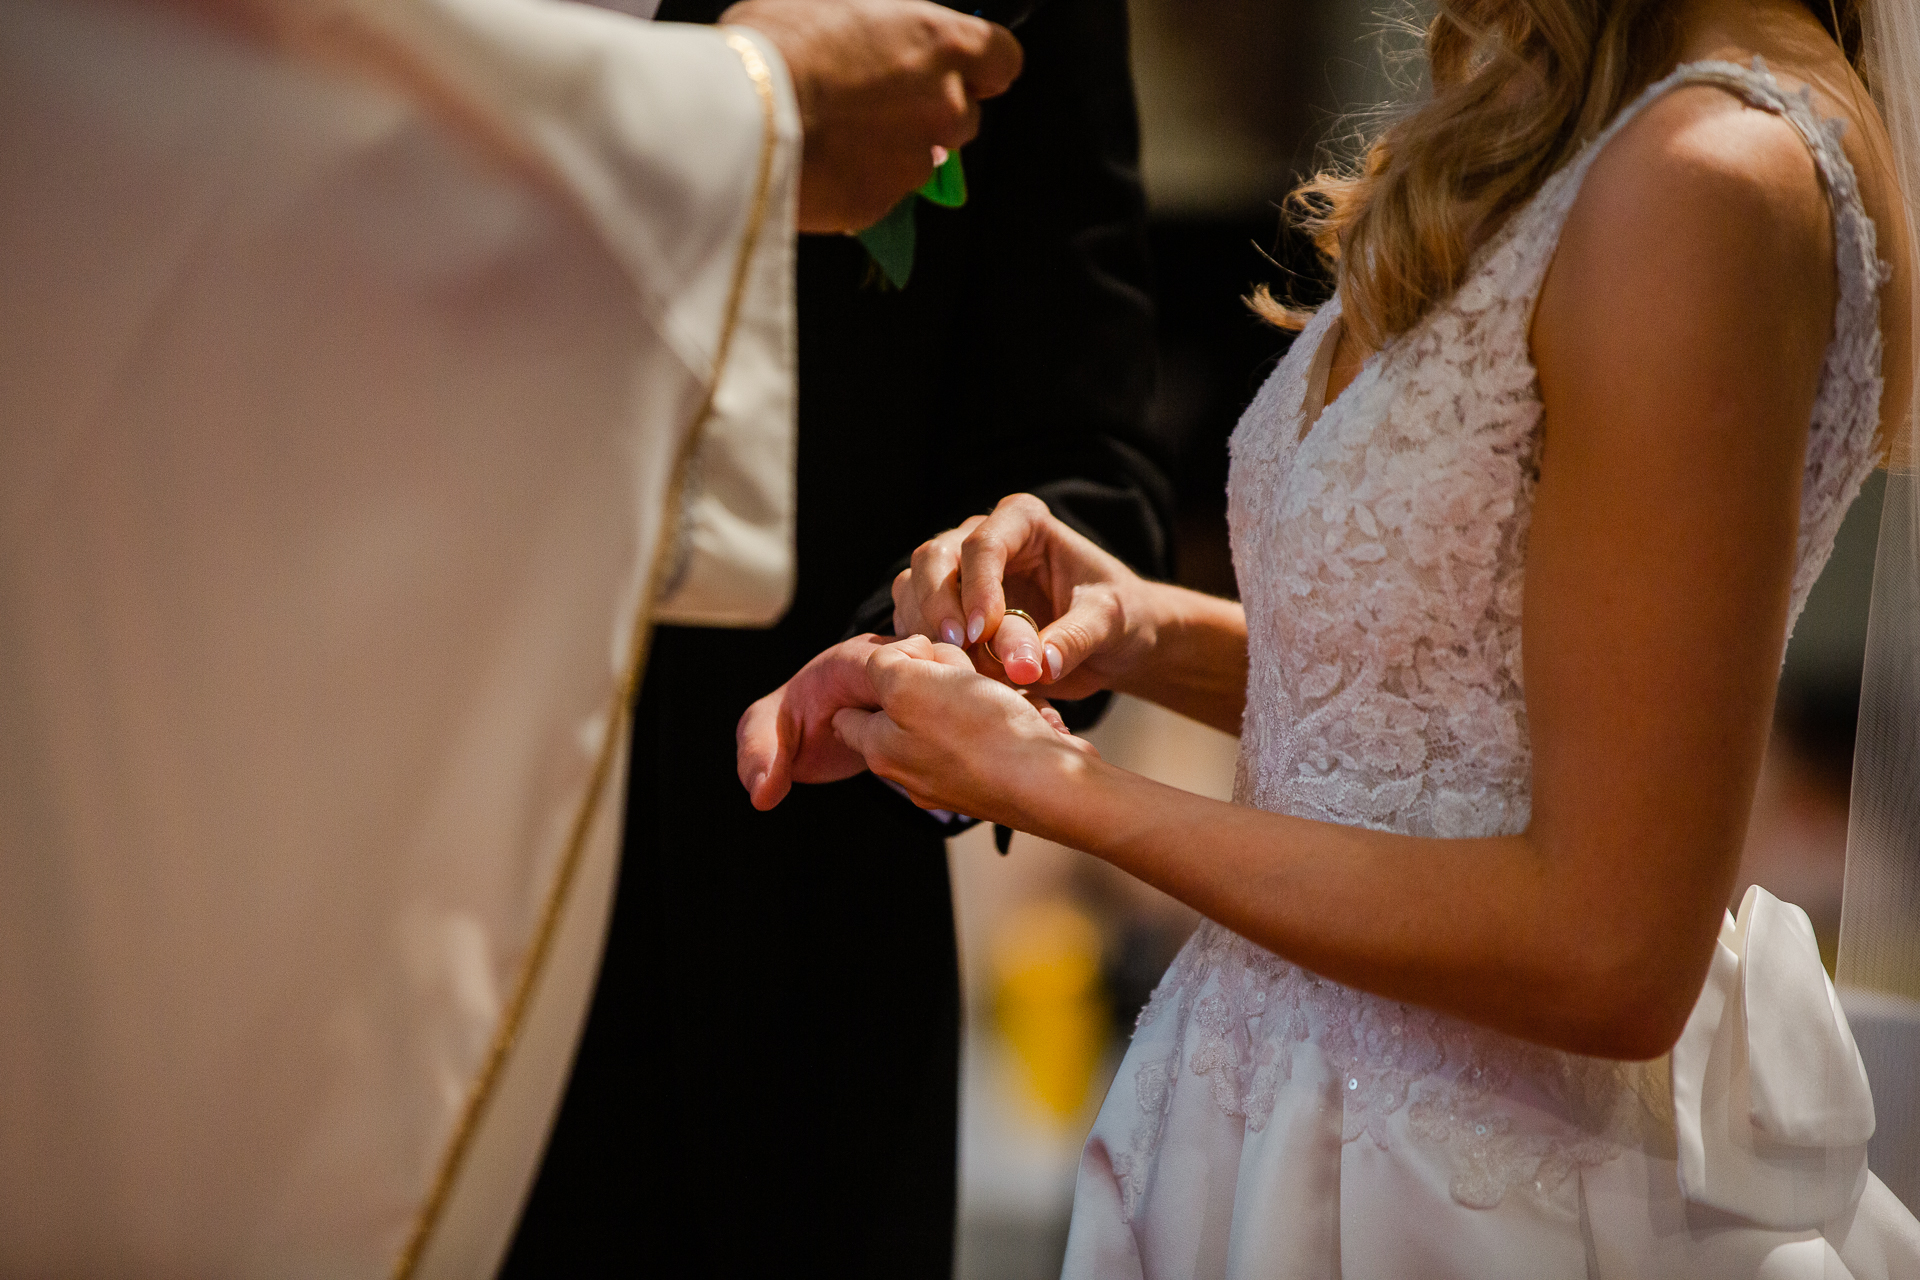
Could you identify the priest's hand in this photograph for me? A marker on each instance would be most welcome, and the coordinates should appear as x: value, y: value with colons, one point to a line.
x: 880, y: 84
x: 788, y: 736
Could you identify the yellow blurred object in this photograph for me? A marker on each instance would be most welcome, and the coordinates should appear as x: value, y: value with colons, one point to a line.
x: 1049, y: 1002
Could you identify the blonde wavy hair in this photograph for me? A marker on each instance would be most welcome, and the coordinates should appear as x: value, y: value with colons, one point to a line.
x: 1518, y: 86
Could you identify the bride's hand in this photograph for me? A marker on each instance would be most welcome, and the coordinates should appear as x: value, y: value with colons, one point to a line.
x: 788, y: 736
x: 953, y: 740
x: 1093, y: 626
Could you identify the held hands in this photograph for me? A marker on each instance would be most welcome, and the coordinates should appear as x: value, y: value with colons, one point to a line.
x: 1095, y: 626
x: 880, y: 84
x: 955, y: 741
x: 792, y: 735
x: 1094, y: 623
x: 910, y: 709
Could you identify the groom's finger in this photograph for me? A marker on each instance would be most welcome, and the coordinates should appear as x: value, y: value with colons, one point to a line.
x: 915, y: 648
x: 1059, y: 726
x: 857, y: 729
x: 762, y: 758
x: 1016, y: 645
x: 950, y: 656
x: 1049, y: 714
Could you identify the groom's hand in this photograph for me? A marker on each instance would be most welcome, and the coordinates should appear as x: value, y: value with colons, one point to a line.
x: 787, y: 736
x: 880, y: 84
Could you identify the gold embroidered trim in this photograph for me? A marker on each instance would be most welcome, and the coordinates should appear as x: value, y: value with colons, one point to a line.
x: 554, y: 907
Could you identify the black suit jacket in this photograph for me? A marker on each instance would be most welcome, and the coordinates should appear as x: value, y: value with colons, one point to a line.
x: 767, y: 1084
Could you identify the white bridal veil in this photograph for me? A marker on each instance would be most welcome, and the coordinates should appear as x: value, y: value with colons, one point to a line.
x: 1879, y: 963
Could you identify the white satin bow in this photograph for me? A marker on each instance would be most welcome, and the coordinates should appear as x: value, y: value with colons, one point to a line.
x: 1771, y: 1103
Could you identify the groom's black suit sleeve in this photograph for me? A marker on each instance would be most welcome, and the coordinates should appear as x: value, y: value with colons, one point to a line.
x: 1027, y: 361
x: 1050, y: 362
x: 767, y: 1082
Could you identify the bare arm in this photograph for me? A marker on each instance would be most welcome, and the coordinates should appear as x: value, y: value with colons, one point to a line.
x: 1198, y: 664
x: 1679, y: 343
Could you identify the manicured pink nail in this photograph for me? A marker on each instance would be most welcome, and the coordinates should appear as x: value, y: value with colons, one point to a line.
x: 1026, y: 659
x: 1053, y: 661
x: 975, y: 625
x: 950, y: 633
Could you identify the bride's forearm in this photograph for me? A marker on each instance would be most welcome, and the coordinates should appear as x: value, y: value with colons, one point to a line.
x: 1500, y: 931
x: 1197, y: 664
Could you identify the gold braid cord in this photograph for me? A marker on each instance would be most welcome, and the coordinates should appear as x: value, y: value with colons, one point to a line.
x: 473, y: 1111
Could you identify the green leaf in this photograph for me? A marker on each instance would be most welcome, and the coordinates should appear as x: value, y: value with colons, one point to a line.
x: 890, y: 242
x: 948, y: 185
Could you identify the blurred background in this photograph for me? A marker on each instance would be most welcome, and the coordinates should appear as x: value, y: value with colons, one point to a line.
x: 1238, y: 99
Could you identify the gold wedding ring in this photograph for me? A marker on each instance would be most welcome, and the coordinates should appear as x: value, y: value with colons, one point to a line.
x: 1004, y: 615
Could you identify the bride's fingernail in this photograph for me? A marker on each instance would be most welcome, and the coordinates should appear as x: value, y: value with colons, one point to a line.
x: 1053, y: 662
x: 758, y: 780
x: 950, y: 632
x: 975, y: 625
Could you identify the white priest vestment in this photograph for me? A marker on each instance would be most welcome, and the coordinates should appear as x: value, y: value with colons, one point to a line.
x: 358, y: 414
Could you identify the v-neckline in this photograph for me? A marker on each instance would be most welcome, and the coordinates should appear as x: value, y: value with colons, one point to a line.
x: 1314, y: 405
x: 1319, y: 374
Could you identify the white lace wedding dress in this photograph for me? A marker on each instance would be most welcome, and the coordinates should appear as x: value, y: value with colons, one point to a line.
x: 1267, y: 1122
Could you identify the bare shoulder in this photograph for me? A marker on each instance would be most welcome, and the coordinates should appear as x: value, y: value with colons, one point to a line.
x: 1701, y: 237
x: 1685, y: 318
x: 1705, y: 189
x: 1709, y: 133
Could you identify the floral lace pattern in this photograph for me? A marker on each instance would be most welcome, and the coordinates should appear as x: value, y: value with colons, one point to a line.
x: 1381, y: 559
x: 1239, y: 1010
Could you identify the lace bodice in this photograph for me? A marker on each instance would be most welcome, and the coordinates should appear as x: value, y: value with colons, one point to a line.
x: 1382, y: 562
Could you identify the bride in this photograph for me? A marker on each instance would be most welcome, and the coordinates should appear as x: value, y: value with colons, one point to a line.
x: 1521, y: 525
